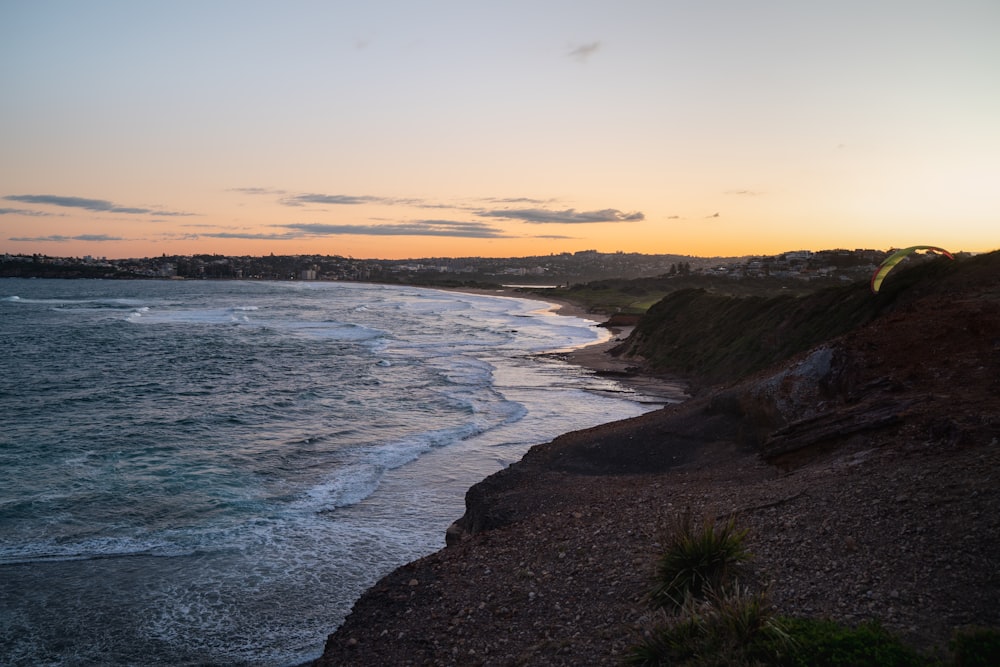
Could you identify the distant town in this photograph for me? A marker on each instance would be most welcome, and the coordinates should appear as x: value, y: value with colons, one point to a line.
x: 556, y: 270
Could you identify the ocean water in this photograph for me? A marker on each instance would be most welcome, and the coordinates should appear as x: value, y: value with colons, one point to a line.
x: 212, y: 472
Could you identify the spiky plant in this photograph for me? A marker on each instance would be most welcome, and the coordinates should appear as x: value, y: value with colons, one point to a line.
x: 696, y: 558
x: 735, y: 628
x: 746, y: 626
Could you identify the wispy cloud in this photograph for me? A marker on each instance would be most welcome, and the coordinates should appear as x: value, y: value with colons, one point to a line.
x: 56, y: 238
x: 282, y: 236
x: 98, y: 205
x: 568, y: 216
x: 516, y: 200
x: 334, y: 200
x: 584, y: 51
x: 259, y: 191
x: 532, y: 211
x: 23, y: 211
x: 450, y: 228
x: 743, y: 193
x: 97, y: 237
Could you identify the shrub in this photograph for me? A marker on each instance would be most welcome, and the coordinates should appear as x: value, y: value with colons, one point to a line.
x: 976, y: 647
x: 821, y: 643
x: 668, y: 644
x: 696, y: 559
x: 710, y: 621
x: 730, y: 629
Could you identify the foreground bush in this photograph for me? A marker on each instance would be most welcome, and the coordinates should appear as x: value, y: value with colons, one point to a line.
x: 978, y: 647
x: 819, y: 643
x: 697, y: 559
x: 734, y: 628
x: 710, y: 621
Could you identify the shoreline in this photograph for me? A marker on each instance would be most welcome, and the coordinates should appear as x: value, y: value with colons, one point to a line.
x: 574, y: 536
x: 596, y: 357
x: 863, y: 500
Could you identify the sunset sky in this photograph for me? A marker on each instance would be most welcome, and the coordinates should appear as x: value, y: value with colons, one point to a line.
x: 395, y: 129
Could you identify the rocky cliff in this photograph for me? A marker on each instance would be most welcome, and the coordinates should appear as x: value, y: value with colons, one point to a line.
x: 865, y: 466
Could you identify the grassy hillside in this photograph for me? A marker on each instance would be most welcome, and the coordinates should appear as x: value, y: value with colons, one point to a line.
x: 716, y: 337
x: 637, y: 295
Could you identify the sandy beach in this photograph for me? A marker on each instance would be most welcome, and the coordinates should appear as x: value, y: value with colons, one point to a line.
x: 631, y: 372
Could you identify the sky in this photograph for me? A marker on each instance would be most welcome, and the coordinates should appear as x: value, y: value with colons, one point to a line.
x: 403, y: 129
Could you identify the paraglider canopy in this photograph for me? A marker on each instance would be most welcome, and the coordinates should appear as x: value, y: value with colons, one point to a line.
x: 895, y: 258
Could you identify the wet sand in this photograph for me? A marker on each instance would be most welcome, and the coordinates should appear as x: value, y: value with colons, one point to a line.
x: 631, y: 372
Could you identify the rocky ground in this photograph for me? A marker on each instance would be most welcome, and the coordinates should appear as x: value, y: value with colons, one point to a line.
x: 866, y: 472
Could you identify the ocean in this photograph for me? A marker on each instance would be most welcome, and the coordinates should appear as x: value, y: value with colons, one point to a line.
x: 201, y: 472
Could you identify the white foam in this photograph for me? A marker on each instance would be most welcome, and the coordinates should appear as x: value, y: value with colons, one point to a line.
x: 358, y: 478
x: 336, y: 331
x: 98, y: 547
x: 113, y: 303
x: 351, y: 463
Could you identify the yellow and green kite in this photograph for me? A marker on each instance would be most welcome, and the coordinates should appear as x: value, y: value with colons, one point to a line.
x: 895, y: 258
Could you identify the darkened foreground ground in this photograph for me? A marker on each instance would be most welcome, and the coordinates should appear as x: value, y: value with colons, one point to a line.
x: 867, y: 470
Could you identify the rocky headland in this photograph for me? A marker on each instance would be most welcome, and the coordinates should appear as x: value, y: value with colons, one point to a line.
x: 866, y: 467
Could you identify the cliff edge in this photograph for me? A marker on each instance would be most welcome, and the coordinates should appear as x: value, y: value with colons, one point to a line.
x: 865, y: 468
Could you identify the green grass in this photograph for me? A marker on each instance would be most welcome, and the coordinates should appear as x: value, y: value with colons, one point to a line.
x: 718, y: 330
x: 821, y: 643
x: 976, y: 647
x: 709, y: 620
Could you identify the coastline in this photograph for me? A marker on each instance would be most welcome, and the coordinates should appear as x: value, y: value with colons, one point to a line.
x: 597, y: 357
x: 864, y: 500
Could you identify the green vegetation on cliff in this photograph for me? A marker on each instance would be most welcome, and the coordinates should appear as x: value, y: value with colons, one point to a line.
x: 721, y: 337
x: 709, y: 619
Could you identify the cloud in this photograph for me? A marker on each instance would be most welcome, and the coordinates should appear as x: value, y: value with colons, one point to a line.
x: 584, y: 51
x: 56, y: 238
x: 533, y: 212
x: 258, y: 191
x: 186, y: 236
x: 568, y: 216
x: 743, y: 193
x: 71, y: 202
x: 516, y: 200
x: 336, y: 200
x: 257, y: 236
x: 714, y: 215
x: 97, y: 237
x: 99, y: 205
x: 357, y: 200
x: 22, y: 211
x: 450, y: 228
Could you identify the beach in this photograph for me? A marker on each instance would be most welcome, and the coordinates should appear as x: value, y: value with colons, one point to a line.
x: 598, y: 357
